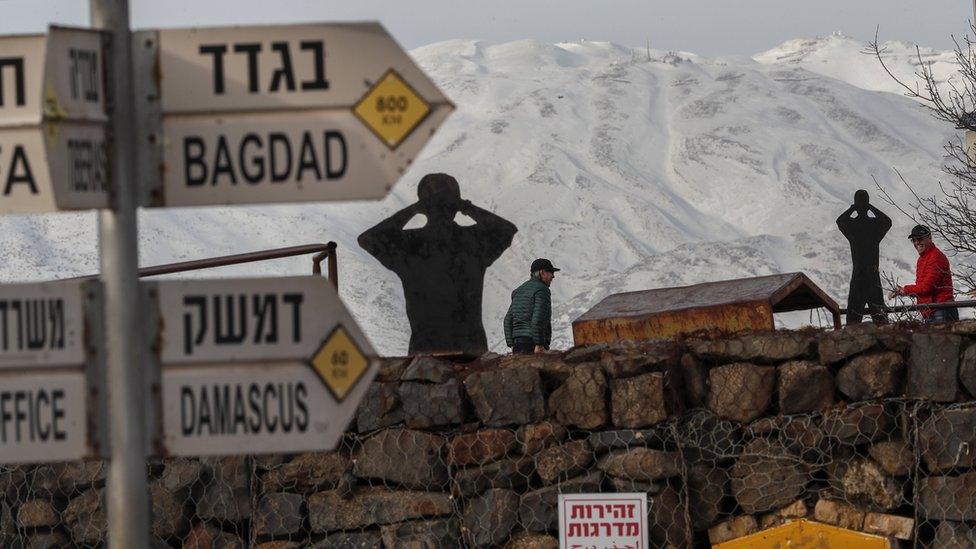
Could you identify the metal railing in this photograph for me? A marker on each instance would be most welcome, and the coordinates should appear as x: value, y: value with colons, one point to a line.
x: 321, y: 251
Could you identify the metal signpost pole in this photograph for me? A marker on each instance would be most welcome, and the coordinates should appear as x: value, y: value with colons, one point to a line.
x: 127, y: 494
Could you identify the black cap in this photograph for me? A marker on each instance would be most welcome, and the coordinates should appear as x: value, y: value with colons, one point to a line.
x: 542, y: 265
x: 919, y: 231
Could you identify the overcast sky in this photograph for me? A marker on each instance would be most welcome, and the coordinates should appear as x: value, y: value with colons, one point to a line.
x: 707, y: 27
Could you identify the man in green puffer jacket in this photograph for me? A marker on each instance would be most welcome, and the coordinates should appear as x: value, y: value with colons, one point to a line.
x: 528, y: 327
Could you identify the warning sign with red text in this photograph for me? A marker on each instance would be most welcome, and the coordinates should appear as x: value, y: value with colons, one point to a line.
x: 603, y: 521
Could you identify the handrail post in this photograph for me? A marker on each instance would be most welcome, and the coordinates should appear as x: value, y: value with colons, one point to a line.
x: 333, y: 266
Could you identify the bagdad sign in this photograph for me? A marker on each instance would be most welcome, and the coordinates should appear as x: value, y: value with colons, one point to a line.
x: 258, y: 365
x: 53, y: 122
x: 283, y: 113
x: 44, y: 404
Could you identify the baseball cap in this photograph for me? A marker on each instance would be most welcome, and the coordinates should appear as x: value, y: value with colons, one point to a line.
x: 542, y: 265
x: 919, y: 231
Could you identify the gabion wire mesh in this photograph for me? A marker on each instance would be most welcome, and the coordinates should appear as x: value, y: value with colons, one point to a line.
x: 724, y: 441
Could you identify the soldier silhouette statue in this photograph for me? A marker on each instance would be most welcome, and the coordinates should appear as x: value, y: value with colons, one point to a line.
x: 864, y: 226
x: 441, y: 265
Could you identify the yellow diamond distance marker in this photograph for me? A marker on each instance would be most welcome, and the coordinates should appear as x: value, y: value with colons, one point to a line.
x: 391, y: 109
x: 340, y: 363
x: 804, y: 534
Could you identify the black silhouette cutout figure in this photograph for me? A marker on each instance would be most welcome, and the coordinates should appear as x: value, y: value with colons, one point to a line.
x: 864, y: 226
x: 441, y: 265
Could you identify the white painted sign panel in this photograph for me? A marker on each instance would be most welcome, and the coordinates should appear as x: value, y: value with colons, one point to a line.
x: 603, y: 521
x: 43, y: 417
x: 258, y: 365
x: 52, y: 122
x: 41, y: 325
x: 227, y: 320
x: 251, y: 408
x: 288, y: 113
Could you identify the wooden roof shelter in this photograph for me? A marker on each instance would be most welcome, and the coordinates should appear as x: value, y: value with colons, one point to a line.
x: 727, y: 305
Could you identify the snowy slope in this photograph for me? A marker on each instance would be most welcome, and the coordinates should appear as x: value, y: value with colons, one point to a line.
x: 628, y: 172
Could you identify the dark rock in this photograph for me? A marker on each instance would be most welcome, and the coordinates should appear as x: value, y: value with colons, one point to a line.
x: 391, y: 368
x: 479, y: 447
x: 638, y: 401
x: 538, y: 509
x: 581, y: 400
x: 506, y: 396
x: 169, y: 513
x: 431, y: 405
x: 66, y: 479
x: 48, y: 540
x: 562, y: 461
x: 11, y: 479
x: 706, y: 437
x: 328, y: 511
x: 537, y: 436
x: 667, y: 523
x: 641, y: 464
x: 585, y: 353
x: 967, y: 369
x: 866, y: 482
x: 707, y: 487
x: 655, y: 358
x: 207, y: 536
x: 771, y: 347
x: 840, y: 344
x: 947, y: 439
x: 233, y: 471
x: 766, y: 476
x: 86, y: 518
x: 179, y: 474
x: 36, y: 513
x: 220, y: 502
x: 626, y: 485
x: 7, y: 525
x: 529, y: 540
x: 804, y: 387
x: 279, y: 514
x: 934, y: 367
x: 379, y: 408
x: 694, y: 377
x: 876, y: 375
x: 489, y: 518
x: 602, y: 441
x: 506, y: 473
x: 410, y: 458
x: 858, y: 425
x: 948, y: 498
x: 894, y: 456
x: 309, y: 472
x: 741, y: 391
x: 428, y: 368
x: 350, y: 540
x: 954, y: 535
x: 428, y: 534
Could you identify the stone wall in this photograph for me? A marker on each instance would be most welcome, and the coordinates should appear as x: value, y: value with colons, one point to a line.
x: 869, y: 429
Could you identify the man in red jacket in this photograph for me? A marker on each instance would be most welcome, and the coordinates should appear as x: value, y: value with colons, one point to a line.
x: 933, y: 278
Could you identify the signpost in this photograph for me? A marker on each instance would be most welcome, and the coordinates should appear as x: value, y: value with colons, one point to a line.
x: 276, y: 114
x: 52, y: 122
x: 258, y: 365
x: 44, y: 405
x: 232, y: 115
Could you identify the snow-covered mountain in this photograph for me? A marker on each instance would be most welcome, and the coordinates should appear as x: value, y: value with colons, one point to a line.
x: 628, y: 170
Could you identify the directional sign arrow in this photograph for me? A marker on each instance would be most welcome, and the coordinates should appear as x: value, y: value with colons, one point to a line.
x: 52, y: 122
x: 282, y: 113
x: 258, y: 365
x: 45, y: 372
